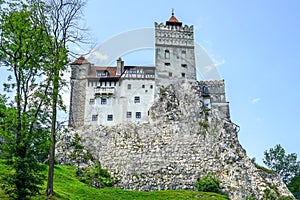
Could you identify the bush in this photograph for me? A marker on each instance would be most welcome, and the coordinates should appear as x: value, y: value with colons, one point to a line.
x: 285, y: 198
x: 208, y: 183
x: 251, y: 197
x: 95, y: 176
x: 269, y: 195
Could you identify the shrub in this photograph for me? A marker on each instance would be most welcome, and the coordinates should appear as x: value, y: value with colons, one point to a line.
x: 96, y: 176
x: 251, y: 197
x: 208, y: 183
x: 269, y: 195
x: 285, y: 198
x: 162, y: 91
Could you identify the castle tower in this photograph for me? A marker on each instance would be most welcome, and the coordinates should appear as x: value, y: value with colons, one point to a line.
x: 79, y: 69
x: 174, y: 52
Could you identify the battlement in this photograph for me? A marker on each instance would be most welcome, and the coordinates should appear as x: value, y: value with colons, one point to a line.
x: 162, y: 26
x: 213, y: 86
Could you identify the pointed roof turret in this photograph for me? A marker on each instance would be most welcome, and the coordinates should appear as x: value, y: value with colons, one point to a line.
x: 79, y: 61
x: 173, y: 21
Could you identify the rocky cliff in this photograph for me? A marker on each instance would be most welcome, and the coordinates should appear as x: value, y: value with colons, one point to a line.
x: 182, y: 142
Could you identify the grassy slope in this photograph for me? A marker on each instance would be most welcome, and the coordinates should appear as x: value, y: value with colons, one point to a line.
x: 66, y: 186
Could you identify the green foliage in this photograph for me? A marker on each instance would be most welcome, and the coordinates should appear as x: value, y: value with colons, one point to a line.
x: 264, y: 169
x: 251, y: 197
x: 294, y: 186
x: 24, y: 47
x: 96, y: 176
x: 269, y: 195
x: 78, y: 154
x: 25, y: 173
x: 208, y: 183
x: 285, y: 198
x: 204, y: 124
x: 68, y: 187
x: 162, y: 90
x: 285, y: 165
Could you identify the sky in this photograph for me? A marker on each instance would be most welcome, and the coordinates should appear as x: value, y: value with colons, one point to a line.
x: 255, y: 46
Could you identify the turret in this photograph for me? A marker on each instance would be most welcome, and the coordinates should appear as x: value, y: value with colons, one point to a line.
x: 79, y: 71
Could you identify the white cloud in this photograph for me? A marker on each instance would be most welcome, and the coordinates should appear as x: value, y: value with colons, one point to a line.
x: 97, y: 55
x: 222, y: 62
x: 256, y: 100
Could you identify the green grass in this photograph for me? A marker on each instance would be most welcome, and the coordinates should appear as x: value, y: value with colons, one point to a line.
x: 269, y: 171
x: 67, y: 186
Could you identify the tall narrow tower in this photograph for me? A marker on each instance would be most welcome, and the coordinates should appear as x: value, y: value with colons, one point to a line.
x: 174, y: 52
x: 80, y: 69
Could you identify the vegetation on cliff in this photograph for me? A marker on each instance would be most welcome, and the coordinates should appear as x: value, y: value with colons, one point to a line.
x: 67, y: 186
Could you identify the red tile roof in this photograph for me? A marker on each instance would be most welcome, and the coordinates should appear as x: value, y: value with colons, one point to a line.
x: 112, y: 72
x: 79, y: 61
x: 173, y: 19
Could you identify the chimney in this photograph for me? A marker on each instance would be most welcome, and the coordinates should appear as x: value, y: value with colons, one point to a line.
x: 120, y: 66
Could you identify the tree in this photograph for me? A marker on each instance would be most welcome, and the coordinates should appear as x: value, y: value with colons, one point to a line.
x: 294, y: 186
x: 23, y: 51
x: 63, y: 16
x: 33, y: 46
x: 286, y: 166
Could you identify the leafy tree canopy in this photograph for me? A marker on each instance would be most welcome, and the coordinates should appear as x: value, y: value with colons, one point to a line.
x: 286, y: 165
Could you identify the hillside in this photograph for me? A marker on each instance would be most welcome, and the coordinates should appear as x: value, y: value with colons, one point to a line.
x: 67, y: 186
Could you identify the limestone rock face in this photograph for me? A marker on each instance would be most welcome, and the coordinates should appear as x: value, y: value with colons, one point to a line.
x: 182, y: 142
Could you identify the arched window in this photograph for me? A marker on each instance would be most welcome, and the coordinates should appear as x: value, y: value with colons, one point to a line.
x: 167, y: 54
x: 183, y: 54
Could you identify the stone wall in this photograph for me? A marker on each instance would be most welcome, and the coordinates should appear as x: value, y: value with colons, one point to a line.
x: 176, y: 147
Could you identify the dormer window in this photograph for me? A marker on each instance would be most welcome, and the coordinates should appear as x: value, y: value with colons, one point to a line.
x: 102, y: 73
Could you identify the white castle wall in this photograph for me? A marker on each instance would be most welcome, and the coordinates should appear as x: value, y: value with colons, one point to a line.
x: 121, y: 102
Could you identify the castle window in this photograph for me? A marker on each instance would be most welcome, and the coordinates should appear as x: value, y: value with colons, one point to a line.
x: 183, y: 54
x: 184, y: 65
x: 110, y: 118
x: 170, y: 74
x: 167, y: 64
x: 92, y: 101
x: 128, y: 114
x: 151, y: 86
x: 183, y: 75
x: 94, y: 117
x: 138, y: 115
x: 143, y: 86
x: 129, y: 86
x: 137, y: 99
x: 103, y: 101
x: 167, y: 54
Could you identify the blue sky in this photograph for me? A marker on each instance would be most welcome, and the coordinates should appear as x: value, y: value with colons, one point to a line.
x: 255, y: 45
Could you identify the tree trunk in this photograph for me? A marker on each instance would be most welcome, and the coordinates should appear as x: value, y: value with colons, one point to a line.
x: 50, y: 191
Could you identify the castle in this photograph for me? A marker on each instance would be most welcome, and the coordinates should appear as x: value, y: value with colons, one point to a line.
x: 106, y: 95
x: 172, y: 129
